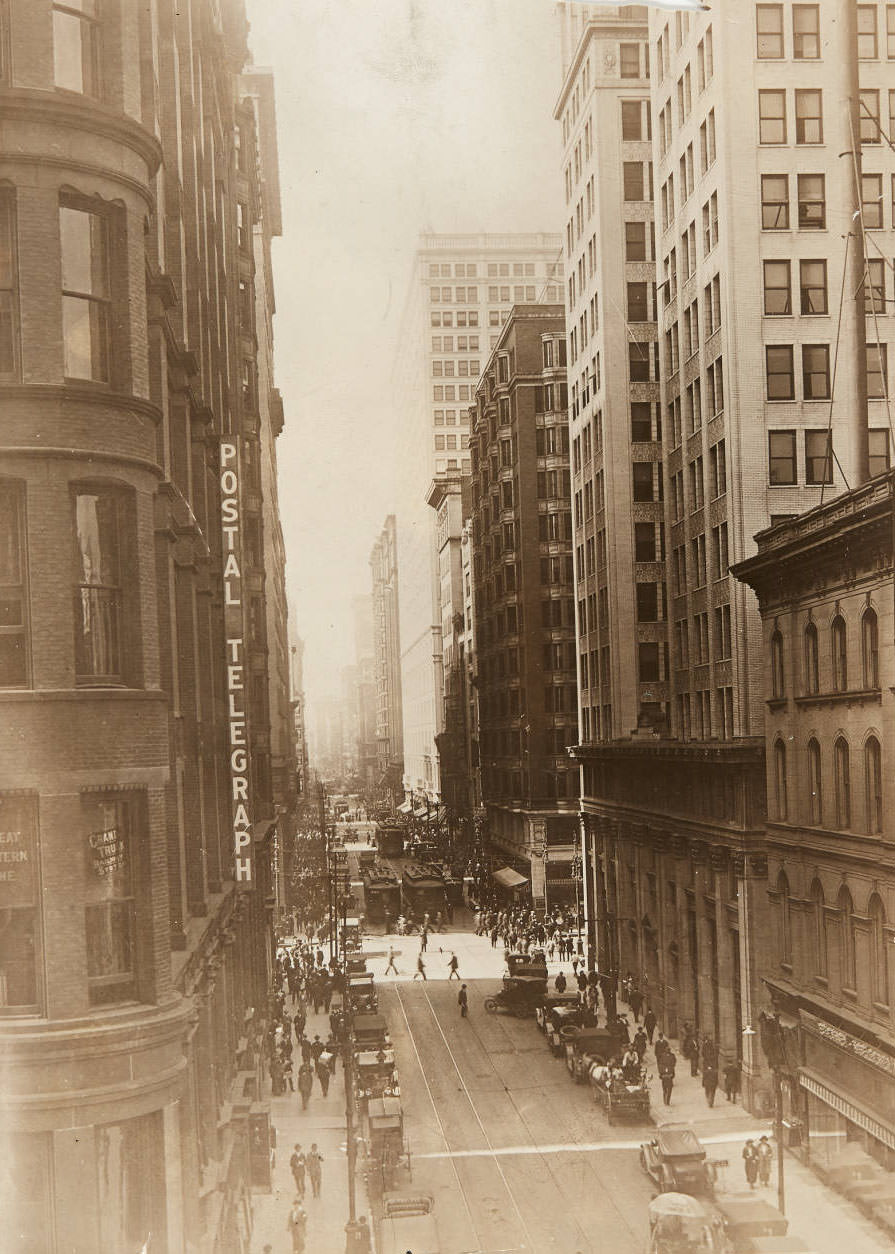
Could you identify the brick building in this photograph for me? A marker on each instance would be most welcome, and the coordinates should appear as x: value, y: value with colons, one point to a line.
x: 137, y: 207
x: 524, y: 603
x: 824, y: 582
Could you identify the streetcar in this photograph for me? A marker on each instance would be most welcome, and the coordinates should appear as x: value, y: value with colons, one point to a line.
x: 390, y: 838
x: 382, y: 893
x: 423, y: 890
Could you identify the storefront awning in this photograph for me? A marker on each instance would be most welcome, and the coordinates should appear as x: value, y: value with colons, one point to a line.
x: 506, y: 877
x: 820, y: 1086
x: 404, y: 807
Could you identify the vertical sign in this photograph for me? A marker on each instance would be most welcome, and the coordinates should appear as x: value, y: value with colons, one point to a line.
x: 234, y: 632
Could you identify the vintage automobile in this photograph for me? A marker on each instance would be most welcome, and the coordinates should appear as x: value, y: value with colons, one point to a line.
x: 621, y: 1098
x: 519, y: 996
x: 677, y: 1163
x: 362, y: 992
x: 681, y: 1224
x: 370, y: 1031
x: 356, y: 964
x: 387, y: 1147
x: 375, y: 1075
x: 586, y: 1046
x: 560, y: 1017
x: 534, y: 963
x: 542, y: 1012
x: 748, y: 1219
x: 408, y: 1224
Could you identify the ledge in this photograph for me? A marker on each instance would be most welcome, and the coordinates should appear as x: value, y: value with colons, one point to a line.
x: 840, y: 698
x: 74, y: 112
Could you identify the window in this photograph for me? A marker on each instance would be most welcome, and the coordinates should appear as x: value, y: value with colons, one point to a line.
x: 638, y: 310
x: 815, y: 785
x: 781, y: 457
x: 813, y: 287
x: 648, y: 662
x: 867, y: 44
x: 638, y: 361
x: 780, y: 373
x: 816, y: 372
x: 811, y: 660
x: 644, y: 542
x: 873, y: 785
x: 812, y: 201
x: 805, y: 32
x: 879, y: 950
x: 847, y: 967
x: 890, y: 31
x: 19, y: 917
x: 629, y: 60
x: 842, y: 784
x: 76, y: 47
x: 775, y: 202
x: 632, y: 176
x: 772, y: 117
x: 777, y: 295
x: 85, y: 294
x: 809, y: 117
x: 870, y: 649
x: 643, y: 481
x: 839, y: 642
x: 647, y: 602
x: 879, y: 450
x: 877, y: 371
x: 872, y: 201
x: 778, y: 677
x: 13, y: 596
x: 8, y: 286
x: 769, y: 24
x: 868, y: 117
x: 641, y: 421
x: 819, y: 929
x: 780, y: 789
x: 818, y: 457
x: 109, y: 848
x: 718, y: 467
x: 632, y: 119
x: 99, y: 560
x: 635, y: 241
x: 875, y: 286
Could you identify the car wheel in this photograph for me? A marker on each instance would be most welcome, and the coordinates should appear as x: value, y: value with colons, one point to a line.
x: 491, y: 1005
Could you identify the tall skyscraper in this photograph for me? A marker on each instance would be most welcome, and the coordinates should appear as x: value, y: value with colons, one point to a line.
x: 387, y: 661
x: 461, y: 290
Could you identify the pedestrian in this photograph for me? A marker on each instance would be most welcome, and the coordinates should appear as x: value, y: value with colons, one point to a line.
x: 323, y: 1073
x: 420, y: 967
x: 709, y: 1053
x: 690, y: 1049
x: 287, y: 1075
x: 299, y: 1021
x: 660, y: 1046
x: 463, y: 1002
x: 649, y: 1024
x: 765, y: 1158
x: 388, y: 924
x: 560, y: 983
x: 732, y: 1081
x: 710, y: 1083
x: 639, y: 1042
x: 635, y: 1001
x: 424, y: 939
x: 305, y: 1083
x: 305, y: 1049
x: 667, y: 1065
x: 316, y: 1048
x: 750, y: 1163
x: 391, y: 961
x: 297, y: 1165
x: 297, y: 1224
x: 277, y: 1084
x: 315, y: 1172
x: 454, y: 964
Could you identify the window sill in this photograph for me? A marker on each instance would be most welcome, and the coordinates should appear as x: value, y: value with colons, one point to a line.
x: 837, y: 698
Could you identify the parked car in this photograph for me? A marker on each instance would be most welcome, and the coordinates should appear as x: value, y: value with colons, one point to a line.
x: 676, y: 1162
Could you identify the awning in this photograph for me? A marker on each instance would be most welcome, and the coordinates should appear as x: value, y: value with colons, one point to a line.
x: 420, y: 812
x: 817, y: 1084
x: 262, y: 829
x: 506, y: 877
x: 404, y: 807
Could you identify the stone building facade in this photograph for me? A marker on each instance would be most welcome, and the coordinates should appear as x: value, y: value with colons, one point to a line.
x: 133, y: 973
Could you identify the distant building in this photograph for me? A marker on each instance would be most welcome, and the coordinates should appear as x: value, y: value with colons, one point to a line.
x: 461, y: 290
x: 299, y: 718
x: 365, y: 691
x: 524, y: 603
x: 825, y: 590
x: 387, y: 662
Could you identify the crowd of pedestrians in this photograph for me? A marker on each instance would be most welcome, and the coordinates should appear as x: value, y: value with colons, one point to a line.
x: 520, y: 930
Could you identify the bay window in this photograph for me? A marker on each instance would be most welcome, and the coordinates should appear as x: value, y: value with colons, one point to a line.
x: 86, y: 293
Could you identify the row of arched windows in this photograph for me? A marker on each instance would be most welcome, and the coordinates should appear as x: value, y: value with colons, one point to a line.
x: 832, y: 807
x: 839, y: 679
x: 815, y: 941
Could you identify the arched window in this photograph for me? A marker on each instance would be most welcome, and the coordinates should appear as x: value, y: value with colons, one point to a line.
x: 819, y: 930
x: 778, y: 676
x: 879, y: 953
x: 843, y: 783
x: 812, y: 683
x: 873, y: 785
x: 780, y: 780
x: 870, y: 649
x: 815, y: 793
x: 840, y: 656
x: 848, y: 974
x: 785, y: 920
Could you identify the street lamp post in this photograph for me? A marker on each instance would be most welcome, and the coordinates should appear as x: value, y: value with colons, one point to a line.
x: 774, y: 1046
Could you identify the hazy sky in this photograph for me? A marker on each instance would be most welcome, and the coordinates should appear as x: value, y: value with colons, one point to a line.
x: 394, y: 117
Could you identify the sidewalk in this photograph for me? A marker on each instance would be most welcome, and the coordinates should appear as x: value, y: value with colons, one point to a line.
x: 323, y: 1122
x: 824, y: 1220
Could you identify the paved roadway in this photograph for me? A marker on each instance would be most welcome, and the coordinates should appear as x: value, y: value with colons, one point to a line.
x: 516, y: 1155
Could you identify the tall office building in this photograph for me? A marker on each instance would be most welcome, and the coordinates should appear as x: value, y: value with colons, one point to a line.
x: 461, y: 290
x: 365, y: 690
x: 524, y: 605
x: 137, y: 802
x: 387, y: 661
x: 760, y: 253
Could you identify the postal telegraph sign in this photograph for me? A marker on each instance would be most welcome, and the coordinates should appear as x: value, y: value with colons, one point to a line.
x: 234, y: 629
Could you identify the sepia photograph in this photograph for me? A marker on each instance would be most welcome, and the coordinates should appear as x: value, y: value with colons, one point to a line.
x: 447, y: 627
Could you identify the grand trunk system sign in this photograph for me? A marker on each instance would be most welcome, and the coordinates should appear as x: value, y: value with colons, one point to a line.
x: 234, y: 629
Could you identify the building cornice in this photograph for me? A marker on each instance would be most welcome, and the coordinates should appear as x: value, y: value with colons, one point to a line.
x: 73, y: 112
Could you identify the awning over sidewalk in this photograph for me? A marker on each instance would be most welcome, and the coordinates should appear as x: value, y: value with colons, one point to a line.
x: 404, y: 807
x: 506, y: 877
